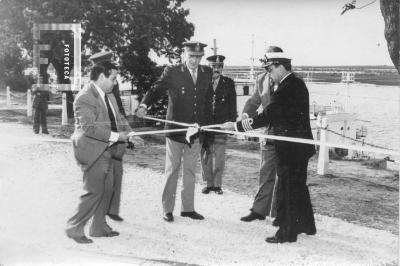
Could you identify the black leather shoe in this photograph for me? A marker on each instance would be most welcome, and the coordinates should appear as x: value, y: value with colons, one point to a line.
x: 218, y: 190
x: 275, y: 239
x: 193, y: 215
x: 309, y: 232
x: 168, y: 217
x: 45, y: 131
x: 81, y: 239
x: 207, y: 190
x: 251, y: 217
x: 107, y: 234
x: 115, y: 217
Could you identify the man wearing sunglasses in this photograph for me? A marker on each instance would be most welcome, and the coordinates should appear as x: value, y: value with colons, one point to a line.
x: 288, y: 114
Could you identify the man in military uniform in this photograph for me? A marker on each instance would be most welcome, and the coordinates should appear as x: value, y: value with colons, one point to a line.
x: 189, y: 101
x: 113, y: 211
x: 224, y: 110
x: 40, y: 106
x: 288, y: 114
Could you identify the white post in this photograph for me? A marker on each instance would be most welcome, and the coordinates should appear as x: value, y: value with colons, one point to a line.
x: 29, y: 103
x: 8, y: 97
x: 323, y: 158
x: 64, y: 115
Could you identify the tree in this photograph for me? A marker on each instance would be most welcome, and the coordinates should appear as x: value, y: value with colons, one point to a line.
x: 391, y: 14
x: 130, y: 28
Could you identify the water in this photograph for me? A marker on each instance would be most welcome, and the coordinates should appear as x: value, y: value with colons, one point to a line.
x: 377, y: 106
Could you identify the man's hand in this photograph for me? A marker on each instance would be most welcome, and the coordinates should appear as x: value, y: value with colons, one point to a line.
x: 228, y: 126
x: 141, y: 112
x: 123, y: 136
x: 136, y: 141
x: 245, y: 116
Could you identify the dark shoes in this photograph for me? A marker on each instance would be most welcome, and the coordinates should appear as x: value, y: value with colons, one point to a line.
x: 81, y: 239
x: 217, y: 190
x: 251, y: 217
x: 193, y: 215
x: 276, y: 240
x: 168, y: 217
x: 45, y: 131
x: 207, y: 190
x: 107, y: 234
x: 115, y: 217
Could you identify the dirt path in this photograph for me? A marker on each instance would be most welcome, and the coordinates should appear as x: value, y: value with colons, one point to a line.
x: 40, y: 185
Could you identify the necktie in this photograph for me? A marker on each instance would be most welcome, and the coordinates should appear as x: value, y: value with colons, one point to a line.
x: 193, y: 72
x: 111, y: 115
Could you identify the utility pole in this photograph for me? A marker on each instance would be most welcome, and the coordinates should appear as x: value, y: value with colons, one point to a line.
x: 252, y: 58
x: 215, y: 49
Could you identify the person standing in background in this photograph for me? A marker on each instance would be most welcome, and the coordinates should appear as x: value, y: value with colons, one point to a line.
x: 224, y: 109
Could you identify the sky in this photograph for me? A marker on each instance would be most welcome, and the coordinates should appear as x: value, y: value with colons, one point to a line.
x: 312, y: 31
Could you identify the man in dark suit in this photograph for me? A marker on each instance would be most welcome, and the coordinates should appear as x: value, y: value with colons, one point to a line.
x: 224, y: 109
x: 189, y: 100
x: 113, y: 211
x: 288, y: 113
x: 99, y: 143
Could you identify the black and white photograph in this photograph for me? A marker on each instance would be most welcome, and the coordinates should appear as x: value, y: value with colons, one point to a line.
x: 199, y: 132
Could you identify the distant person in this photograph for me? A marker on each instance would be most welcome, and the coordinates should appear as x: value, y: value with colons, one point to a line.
x: 265, y: 201
x: 288, y: 113
x: 113, y: 211
x: 40, y: 106
x: 189, y: 101
x: 99, y: 144
x: 224, y: 109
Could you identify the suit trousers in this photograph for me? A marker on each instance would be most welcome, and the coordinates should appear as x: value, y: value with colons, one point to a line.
x: 265, y: 200
x: 98, y: 184
x: 213, y: 161
x: 294, y: 212
x: 116, y: 195
x: 39, y: 117
x: 175, y: 153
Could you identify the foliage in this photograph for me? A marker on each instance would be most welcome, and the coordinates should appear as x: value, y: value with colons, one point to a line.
x: 130, y: 28
x: 391, y: 14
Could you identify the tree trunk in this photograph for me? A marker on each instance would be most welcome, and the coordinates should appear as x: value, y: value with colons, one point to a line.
x: 391, y: 14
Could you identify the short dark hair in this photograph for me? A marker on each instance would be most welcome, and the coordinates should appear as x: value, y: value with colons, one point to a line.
x: 287, y: 65
x: 104, y: 67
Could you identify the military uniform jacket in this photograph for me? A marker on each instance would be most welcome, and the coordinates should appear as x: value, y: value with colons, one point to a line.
x: 224, y: 101
x: 187, y: 102
x: 288, y: 114
x: 93, y: 127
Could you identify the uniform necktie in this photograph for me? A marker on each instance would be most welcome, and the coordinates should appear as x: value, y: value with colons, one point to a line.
x: 111, y: 115
x: 193, y: 72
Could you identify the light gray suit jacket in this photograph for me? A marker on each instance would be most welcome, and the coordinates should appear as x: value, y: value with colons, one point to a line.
x: 260, y: 97
x: 93, y: 128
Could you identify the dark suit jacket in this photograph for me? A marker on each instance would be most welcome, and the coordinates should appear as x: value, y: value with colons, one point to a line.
x: 187, y: 102
x: 288, y: 114
x: 224, y: 101
x: 93, y: 127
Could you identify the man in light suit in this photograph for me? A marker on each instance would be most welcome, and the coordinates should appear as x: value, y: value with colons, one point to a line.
x: 113, y: 211
x: 224, y: 109
x: 99, y: 143
x: 265, y: 201
x: 189, y: 101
